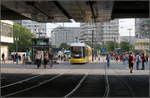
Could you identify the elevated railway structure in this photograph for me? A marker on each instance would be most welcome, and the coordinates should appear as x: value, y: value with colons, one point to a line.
x: 79, y: 10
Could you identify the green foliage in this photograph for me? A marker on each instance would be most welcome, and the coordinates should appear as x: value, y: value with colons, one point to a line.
x: 89, y: 43
x: 24, y: 37
x: 110, y: 46
x: 64, y: 45
x: 97, y: 46
x: 126, y: 46
x: 132, y: 48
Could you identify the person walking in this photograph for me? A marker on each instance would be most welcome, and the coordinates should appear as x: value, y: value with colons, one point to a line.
x: 51, y: 59
x: 137, y: 61
x: 143, y: 61
x: 131, y: 62
x: 3, y: 58
x: 23, y: 59
x: 38, y: 57
x: 45, y: 60
x: 17, y: 58
x: 108, y: 60
x: 146, y: 58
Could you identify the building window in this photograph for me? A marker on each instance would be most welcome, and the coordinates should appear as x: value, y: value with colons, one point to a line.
x: 7, y: 30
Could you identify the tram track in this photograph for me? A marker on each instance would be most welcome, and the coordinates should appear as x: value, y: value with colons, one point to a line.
x: 77, y: 86
x: 122, y: 88
x: 15, y: 79
x: 10, y: 91
x: 53, y: 87
x: 65, y: 86
x: 21, y: 81
x: 89, y: 86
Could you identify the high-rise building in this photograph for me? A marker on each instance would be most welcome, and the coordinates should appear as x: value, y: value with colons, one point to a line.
x: 65, y: 35
x: 110, y: 31
x: 101, y: 32
x: 86, y: 32
x: 39, y: 29
x: 142, y: 33
x: 6, y: 36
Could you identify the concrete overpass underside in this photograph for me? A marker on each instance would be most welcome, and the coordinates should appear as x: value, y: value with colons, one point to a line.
x: 80, y: 11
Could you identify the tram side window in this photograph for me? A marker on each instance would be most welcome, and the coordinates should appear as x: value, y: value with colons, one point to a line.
x: 84, y: 51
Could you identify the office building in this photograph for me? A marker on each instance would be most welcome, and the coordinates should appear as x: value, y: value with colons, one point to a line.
x: 102, y: 32
x: 65, y: 35
x: 142, y: 33
x: 39, y: 29
x: 6, y: 36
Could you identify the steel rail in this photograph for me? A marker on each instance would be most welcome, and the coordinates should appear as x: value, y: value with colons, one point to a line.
x: 127, y: 85
x: 78, y: 85
x: 107, y: 89
x: 44, y: 82
x: 21, y: 81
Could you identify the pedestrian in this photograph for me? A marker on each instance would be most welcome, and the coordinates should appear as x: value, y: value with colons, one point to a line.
x: 146, y: 58
x: 38, y: 57
x: 23, y: 59
x: 123, y: 59
x: 108, y: 60
x: 131, y: 62
x: 3, y: 58
x: 143, y: 61
x: 50, y: 55
x: 17, y: 58
x: 45, y: 60
x: 137, y: 61
x: 14, y: 58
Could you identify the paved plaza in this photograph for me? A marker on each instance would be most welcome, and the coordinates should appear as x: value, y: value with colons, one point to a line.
x: 116, y: 68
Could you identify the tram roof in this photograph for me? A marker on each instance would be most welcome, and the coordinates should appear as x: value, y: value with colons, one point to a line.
x: 78, y: 44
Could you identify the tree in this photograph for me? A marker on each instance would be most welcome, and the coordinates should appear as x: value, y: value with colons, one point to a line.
x: 126, y: 46
x: 110, y: 46
x: 64, y: 45
x: 97, y: 46
x: 24, y: 37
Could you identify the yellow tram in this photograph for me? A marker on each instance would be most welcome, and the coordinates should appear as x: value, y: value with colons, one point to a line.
x: 80, y: 53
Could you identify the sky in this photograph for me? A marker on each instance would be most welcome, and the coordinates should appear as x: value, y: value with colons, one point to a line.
x: 124, y: 25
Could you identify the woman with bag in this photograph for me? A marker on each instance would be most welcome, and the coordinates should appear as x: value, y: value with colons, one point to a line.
x: 38, y: 59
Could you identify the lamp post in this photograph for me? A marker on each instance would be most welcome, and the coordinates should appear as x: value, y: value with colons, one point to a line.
x: 129, y: 37
x: 16, y: 39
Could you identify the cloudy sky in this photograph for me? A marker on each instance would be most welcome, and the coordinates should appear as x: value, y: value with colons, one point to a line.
x: 124, y: 26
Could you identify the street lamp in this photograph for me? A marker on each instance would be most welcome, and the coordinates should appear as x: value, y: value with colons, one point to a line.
x: 129, y: 37
x: 129, y: 34
x: 16, y: 39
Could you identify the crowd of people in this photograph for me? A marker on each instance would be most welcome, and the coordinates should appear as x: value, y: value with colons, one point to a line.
x: 131, y: 59
x: 49, y: 59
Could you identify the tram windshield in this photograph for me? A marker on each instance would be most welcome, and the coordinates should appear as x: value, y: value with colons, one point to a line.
x: 76, y: 52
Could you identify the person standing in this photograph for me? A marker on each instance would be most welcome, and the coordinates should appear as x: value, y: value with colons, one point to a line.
x: 45, y: 60
x: 23, y: 59
x: 143, y: 61
x: 3, y: 57
x: 137, y: 61
x: 51, y: 59
x: 38, y: 57
x: 17, y: 58
x: 108, y: 60
x: 131, y: 62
